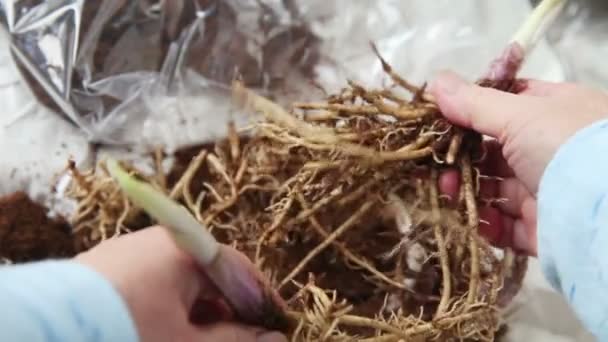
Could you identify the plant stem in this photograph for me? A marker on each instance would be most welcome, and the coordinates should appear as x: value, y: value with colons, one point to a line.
x: 188, y: 233
x: 535, y: 26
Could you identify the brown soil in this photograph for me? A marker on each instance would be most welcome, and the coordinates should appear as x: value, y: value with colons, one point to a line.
x: 183, y: 157
x: 28, y: 234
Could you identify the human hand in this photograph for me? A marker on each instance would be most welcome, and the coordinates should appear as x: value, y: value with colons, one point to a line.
x: 168, y: 296
x: 527, y: 130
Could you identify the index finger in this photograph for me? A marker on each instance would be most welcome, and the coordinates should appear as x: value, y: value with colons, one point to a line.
x: 492, y: 164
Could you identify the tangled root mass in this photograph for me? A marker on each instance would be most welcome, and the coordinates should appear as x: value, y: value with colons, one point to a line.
x: 338, y: 203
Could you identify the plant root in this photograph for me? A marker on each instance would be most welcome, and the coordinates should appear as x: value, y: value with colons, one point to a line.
x: 337, y: 202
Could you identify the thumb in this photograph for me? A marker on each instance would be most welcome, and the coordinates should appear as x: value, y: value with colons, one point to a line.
x: 485, y: 110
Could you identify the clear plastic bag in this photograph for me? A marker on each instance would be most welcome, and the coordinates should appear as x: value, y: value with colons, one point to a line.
x: 93, y: 60
x: 143, y: 72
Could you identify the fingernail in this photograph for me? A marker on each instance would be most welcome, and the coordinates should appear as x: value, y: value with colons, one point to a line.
x: 271, y: 336
x: 447, y: 83
x: 449, y: 185
x: 521, y: 240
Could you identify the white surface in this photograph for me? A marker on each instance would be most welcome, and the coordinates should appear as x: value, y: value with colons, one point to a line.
x: 541, y: 314
x: 35, y: 144
x: 410, y: 36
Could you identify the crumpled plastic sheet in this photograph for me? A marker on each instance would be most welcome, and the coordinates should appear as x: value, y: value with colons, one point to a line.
x: 143, y: 72
x: 579, y: 39
x: 94, y: 61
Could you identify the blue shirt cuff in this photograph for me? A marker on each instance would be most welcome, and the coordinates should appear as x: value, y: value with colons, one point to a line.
x: 573, y: 225
x: 61, y: 301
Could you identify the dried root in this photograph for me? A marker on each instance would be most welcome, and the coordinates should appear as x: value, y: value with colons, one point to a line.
x: 103, y: 211
x: 342, y: 211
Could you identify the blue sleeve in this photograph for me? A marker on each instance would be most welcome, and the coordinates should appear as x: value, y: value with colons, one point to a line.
x: 573, y: 225
x: 61, y: 301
